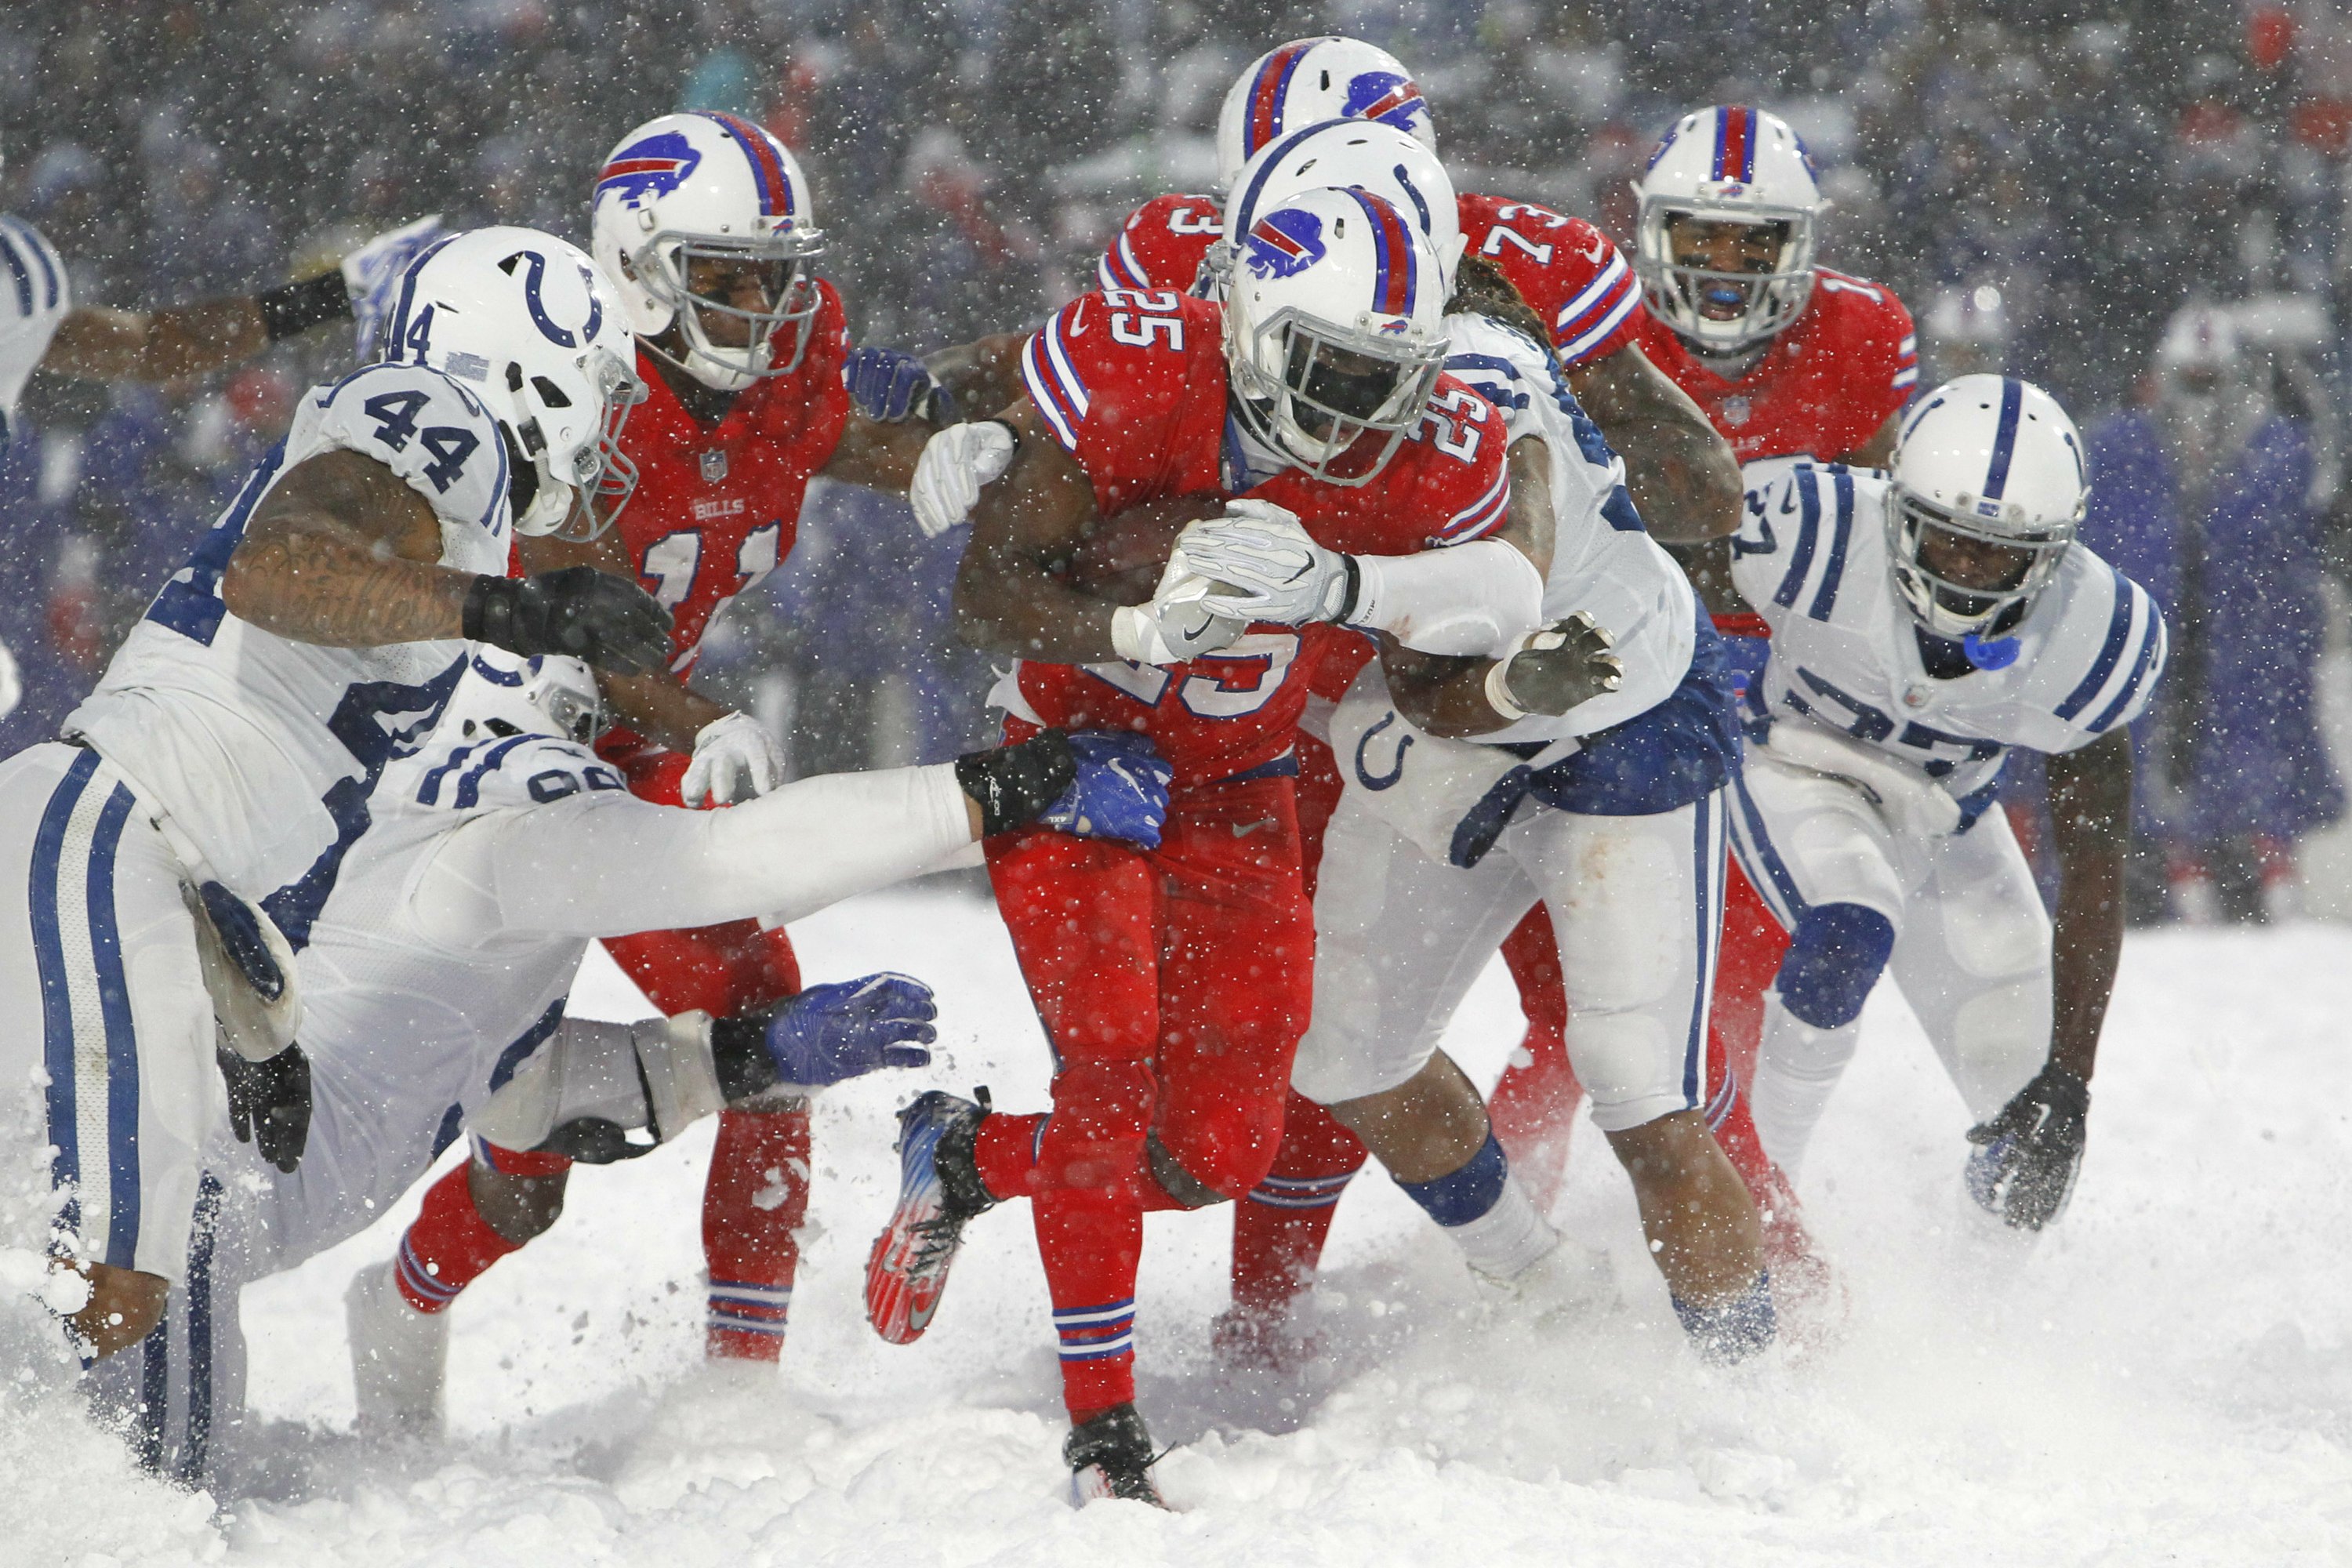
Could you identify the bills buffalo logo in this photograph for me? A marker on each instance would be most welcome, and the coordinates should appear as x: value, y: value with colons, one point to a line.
x: 1284, y: 244
x: 652, y: 167
x: 1386, y: 97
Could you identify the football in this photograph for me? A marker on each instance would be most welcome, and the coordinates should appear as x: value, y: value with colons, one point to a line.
x: 1120, y: 557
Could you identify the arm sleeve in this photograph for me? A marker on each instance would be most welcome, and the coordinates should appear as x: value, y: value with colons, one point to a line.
x: 1471, y: 600
x: 606, y: 864
x: 656, y: 1075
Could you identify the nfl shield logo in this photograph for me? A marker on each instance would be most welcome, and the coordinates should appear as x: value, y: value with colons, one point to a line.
x: 714, y: 466
x: 1735, y: 412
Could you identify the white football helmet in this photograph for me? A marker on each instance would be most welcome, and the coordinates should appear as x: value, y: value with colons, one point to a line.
x: 1335, y: 329
x: 1729, y: 165
x: 1307, y: 81
x: 529, y: 323
x: 1993, y: 459
x: 1363, y: 153
x: 504, y: 693
x: 719, y: 190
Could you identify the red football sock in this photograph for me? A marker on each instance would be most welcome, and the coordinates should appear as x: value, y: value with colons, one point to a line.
x: 447, y: 1245
x: 753, y: 1205
x: 1091, y: 1239
x: 1280, y: 1229
x: 1006, y: 1154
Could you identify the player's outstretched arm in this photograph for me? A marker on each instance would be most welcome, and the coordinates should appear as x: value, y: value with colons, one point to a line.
x: 100, y: 344
x: 2090, y: 815
x: 1684, y: 477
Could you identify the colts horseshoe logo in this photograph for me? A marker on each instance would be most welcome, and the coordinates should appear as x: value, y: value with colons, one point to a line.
x: 1364, y: 774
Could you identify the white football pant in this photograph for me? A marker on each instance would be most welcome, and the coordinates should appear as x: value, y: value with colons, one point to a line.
x: 1971, y: 941
x: 1636, y: 905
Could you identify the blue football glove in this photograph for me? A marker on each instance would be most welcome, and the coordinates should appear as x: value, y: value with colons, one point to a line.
x: 890, y: 386
x: 829, y: 1033
x: 1121, y: 790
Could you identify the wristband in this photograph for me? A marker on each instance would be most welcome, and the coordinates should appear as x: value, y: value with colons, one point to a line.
x: 292, y: 309
x: 1353, y: 590
x: 1013, y: 786
x: 1499, y: 691
x: 1013, y: 435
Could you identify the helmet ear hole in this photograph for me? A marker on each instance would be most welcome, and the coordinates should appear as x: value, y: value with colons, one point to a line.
x: 549, y: 394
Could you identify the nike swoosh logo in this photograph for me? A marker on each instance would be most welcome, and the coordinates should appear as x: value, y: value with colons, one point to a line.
x: 1244, y: 830
x: 1599, y: 248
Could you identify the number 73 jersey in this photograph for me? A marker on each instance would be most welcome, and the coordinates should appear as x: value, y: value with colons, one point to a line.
x: 1810, y: 557
x: 1131, y: 384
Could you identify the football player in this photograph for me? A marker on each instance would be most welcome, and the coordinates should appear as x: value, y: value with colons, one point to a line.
x: 175, y: 846
x: 704, y: 223
x: 1924, y: 622
x: 432, y: 989
x: 1173, y: 984
x: 1680, y: 475
x: 1786, y: 357
x: 1611, y: 808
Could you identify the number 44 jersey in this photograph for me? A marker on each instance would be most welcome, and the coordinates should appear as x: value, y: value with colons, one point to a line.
x: 1131, y: 384
x: 261, y: 749
x: 1812, y: 558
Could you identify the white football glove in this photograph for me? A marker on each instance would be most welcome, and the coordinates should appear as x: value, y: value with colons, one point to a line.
x: 1177, y: 623
x: 11, y: 689
x: 1266, y: 567
x: 955, y: 464
x: 734, y: 759
x: 372, y: 274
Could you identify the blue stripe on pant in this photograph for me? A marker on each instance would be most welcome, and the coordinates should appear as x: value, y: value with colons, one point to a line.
x: 72, y: 889
x: 1707, y: 881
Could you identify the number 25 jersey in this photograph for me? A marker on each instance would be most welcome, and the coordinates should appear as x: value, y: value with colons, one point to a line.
x: 1131, y: 384
x: 262, y: 749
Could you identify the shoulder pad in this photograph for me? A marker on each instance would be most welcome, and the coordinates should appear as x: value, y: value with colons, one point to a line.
x: 1801, y: 529
x: 513, y: 770
x: 427, y: 428
x: 2104, y: 659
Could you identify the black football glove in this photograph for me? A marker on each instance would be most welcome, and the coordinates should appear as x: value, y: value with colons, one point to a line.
x: 2030, y: 1151
x: 589, y: 614
x: 269, y: 1103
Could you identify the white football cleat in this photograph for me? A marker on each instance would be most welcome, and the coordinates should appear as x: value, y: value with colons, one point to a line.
x: 400, y: 1357
x: 1571, y: 1281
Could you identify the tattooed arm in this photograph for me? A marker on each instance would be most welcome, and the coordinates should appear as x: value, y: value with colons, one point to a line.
x: 344, y: 555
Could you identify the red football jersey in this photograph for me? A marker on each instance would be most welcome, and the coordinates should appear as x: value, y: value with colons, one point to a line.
x: 1132, y: 385
x: 1564, y: 266
x: 717, y: 506
x: 1824, y: 386
x: 1567, y: 268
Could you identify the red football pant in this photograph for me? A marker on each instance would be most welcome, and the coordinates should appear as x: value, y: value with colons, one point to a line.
x: 756, y: 1197
x: 1173, y: 985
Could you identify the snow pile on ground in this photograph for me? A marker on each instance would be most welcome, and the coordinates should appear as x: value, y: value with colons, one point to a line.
x: 2164, y: 1379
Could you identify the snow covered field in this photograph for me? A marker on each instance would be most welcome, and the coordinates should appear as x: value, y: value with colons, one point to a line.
x: 2164, y: 1379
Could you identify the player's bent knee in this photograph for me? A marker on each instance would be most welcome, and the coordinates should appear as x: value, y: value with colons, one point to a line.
x: 1835, y: 956
x: 520, y: 1209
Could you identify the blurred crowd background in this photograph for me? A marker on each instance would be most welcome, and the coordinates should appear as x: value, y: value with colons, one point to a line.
x: 2147, y: 208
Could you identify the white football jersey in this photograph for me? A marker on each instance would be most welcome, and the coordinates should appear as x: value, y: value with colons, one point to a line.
x: 35, y: 295
x: 411, y: 1022
x: 1811, y: 558
x: 262, y: 749
x: 1603, y: 561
